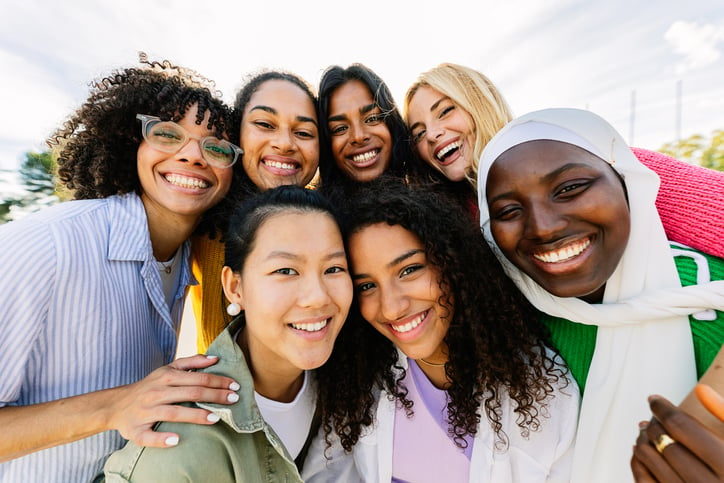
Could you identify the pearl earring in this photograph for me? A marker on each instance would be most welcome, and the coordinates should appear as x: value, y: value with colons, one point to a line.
x: 233, y: 309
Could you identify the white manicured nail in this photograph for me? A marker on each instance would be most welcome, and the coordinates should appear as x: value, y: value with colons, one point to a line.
x: 232, y: 398
x: 212, y: 418
x: 234, y: 386
x: 172, y: 441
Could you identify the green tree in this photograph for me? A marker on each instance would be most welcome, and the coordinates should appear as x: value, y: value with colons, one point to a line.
x: 697, y: 149
x: 37, y: 183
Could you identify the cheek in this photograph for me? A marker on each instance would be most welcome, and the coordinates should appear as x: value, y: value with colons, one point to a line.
x: 368, y: 307
x: 505, y: 235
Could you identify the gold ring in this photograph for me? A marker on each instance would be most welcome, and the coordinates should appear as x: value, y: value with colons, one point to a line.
x: 663, y: 441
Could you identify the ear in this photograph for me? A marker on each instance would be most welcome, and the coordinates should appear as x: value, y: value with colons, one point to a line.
x: 231, y: 282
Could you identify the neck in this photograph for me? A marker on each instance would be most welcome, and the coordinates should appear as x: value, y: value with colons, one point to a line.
x: 276, y: 381
x: 167, y: 233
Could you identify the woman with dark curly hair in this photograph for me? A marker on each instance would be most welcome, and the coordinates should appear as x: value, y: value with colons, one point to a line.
x: 450, y: 379
x: 93, y: 292
x: 276, y: 121
x: 362, y: 134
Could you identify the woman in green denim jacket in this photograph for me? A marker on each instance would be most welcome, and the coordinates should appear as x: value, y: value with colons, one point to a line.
x: 287, y: 278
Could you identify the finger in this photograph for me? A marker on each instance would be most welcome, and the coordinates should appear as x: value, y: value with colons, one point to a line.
x: 168, y: 395
x: 689, y: 433
x: 711, y: 400
x: 197, y: 361
x: 686, y: 464
x: 640, y: 472
x: 174, y: 376
x: 155, y: 439
x: 655, y: 464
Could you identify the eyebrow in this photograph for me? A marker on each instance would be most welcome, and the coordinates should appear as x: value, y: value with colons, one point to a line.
x: 273, y: 111
x: 394, y: 262
x: 294, y: 256
x: 548, y: 177
x: 362, y: 110
x: 432, y: 108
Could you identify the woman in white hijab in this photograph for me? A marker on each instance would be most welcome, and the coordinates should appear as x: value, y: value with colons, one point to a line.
x: 569, y: 211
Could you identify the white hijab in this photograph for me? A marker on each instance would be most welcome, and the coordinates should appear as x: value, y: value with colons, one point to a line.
x: 644, y: 343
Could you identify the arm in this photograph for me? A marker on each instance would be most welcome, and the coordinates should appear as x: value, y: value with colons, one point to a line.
x: 690, y: 201
x: 697, y: 454
x: 132, y: 409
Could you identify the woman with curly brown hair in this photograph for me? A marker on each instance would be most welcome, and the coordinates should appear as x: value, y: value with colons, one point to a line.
x: 93, y: 291
x: 450, y: 378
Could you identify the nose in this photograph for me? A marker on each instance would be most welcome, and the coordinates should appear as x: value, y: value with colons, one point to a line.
x: 394, y: 303
x: 283, y: 141
x: 544, y: 222
x: 313, y: 292
x: 191, y: 152
x: 434, y: 132
x: 358, y: 134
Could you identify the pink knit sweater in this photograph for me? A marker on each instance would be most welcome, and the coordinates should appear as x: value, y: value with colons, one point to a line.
x: 690, y: 201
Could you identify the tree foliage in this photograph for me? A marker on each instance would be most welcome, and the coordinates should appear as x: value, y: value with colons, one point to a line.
x: 698, y: 149
x: 36, y: 181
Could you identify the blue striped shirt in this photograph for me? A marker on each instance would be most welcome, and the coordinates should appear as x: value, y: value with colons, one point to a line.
x: 82, y: 308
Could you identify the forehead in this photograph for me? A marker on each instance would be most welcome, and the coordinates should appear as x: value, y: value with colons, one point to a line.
x: 282, y: 95
x: 350, y: 96
x: 378, y: 235
x: 545, y: 155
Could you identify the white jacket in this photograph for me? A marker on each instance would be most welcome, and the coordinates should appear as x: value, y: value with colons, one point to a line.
x: 546, y: 455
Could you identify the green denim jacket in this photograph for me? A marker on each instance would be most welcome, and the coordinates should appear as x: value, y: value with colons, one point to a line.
x: 241, y: 447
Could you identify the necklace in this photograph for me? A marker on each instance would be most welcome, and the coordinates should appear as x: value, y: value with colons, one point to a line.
x: 431, y: 364
x: 165, y: 266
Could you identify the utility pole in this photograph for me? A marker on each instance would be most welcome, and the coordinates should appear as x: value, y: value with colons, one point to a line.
x: 678, y: 110
x: 633, y: 118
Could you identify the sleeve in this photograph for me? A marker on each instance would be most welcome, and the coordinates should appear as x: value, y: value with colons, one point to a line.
x: 690, y: 201
x: 566, y: 406
x: 27, y: 285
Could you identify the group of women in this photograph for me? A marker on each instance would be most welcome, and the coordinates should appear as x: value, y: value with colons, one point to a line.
x: 440, y: 294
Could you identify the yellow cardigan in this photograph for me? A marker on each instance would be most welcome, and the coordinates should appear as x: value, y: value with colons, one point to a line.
x: 207, y: 298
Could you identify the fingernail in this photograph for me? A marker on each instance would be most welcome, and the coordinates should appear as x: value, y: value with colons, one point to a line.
x: 212, y: 357
x: 212, y: 417
x: 232, y: 398
x: 172, y: 441
x: 643, y: 424
x: 234, y: 386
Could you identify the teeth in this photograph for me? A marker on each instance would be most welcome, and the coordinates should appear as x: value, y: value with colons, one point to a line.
x: 317, y: 326
x: 364, y: 157
x: 185, y: 182
x: 565, y: 253
x: 410, y: 325
x: 441, y: 155
x: 280, y: 165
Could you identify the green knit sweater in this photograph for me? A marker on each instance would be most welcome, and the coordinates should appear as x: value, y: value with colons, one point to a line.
x: 576, y: 342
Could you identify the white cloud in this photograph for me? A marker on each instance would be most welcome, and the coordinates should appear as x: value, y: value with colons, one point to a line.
x: 697, y: 43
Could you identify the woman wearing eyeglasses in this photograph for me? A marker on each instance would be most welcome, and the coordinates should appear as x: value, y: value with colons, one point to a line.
x: 92, y: 289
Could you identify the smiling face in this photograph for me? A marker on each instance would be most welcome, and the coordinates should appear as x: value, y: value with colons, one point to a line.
x: 361, y: 141
x: 442, y: 132
x: 295, y: 291
x: 181, y: 186
x: 279, y: 136
x: 560, y: 215
x: 399, y: 291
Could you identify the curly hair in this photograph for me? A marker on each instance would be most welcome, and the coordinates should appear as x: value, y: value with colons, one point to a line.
x: 497, y: 345
x: 97, y: 146
x: 333, y: 78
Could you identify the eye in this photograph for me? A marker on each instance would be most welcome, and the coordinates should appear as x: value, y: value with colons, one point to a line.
x: 411, y: 269
x: 374, y: 119
x: 286, y: 271
x: 166, y: 134
x: 338, y: 129
x: 335, y: 270
x: 572, y: 188
x: 417, y: 136
x: 506, y: 213
x: 445, y: 110
x: 263, y: 124
x: 365, y: 286
x: 305, y: 134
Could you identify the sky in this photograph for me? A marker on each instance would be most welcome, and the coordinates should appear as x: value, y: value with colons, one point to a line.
x: 654, y: 69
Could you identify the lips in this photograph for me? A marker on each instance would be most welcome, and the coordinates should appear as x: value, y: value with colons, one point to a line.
x: 282, y: 167
x: 311, y: 327
x: 444, y: 152
x: 187, y: 182
x: 362, y: 160
x: 564, y: 253
x: 409, y: 325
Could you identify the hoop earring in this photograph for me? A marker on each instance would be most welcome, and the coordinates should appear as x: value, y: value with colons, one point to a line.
x: 233, y: 309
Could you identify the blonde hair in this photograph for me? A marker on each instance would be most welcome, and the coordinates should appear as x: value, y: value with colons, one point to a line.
x: 474, y: 93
